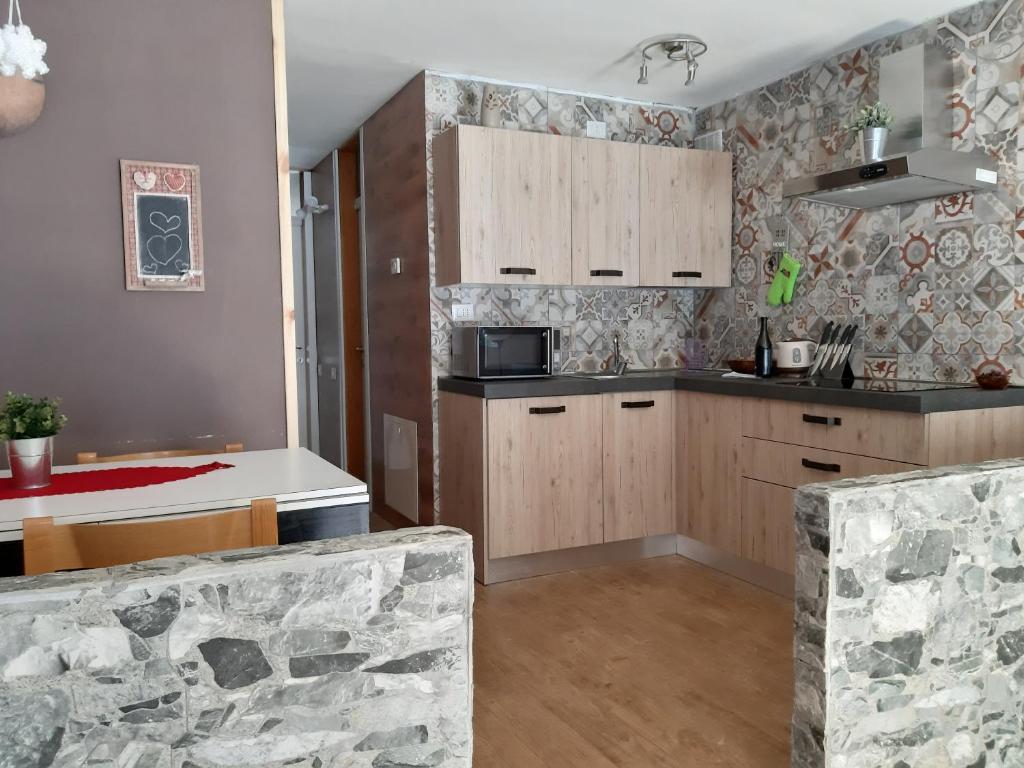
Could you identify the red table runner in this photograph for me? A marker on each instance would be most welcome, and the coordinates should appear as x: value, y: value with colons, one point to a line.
x: 87, y: 481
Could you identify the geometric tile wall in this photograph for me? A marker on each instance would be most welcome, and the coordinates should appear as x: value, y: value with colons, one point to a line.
x: 937, y: 286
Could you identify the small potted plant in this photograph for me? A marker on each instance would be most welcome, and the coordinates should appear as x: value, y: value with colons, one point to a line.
x: 873, y: 124
x: 29, y: 425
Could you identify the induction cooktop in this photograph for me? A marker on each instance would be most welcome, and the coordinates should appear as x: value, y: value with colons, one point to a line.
x: 877, y: 385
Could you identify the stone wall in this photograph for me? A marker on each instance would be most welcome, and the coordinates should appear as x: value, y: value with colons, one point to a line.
x: 910, y: 620
x: 352, y: 652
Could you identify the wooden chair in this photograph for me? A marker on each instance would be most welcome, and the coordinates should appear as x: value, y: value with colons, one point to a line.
x: 90, y: 457
x: 48, y: 547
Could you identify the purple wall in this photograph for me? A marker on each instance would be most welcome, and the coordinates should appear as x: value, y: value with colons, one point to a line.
x: 189, y: 82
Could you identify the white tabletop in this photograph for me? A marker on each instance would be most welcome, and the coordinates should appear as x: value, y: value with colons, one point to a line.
x: 295, y: 477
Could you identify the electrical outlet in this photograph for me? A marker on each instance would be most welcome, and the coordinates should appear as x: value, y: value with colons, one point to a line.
x: 597, y: 130
x: 462, y: 312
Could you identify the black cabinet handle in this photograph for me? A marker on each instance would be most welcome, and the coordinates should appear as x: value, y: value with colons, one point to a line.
x: 828, y: 421
x: 638, y: 404
x: 606, y: 273
x: 687, y: 274
x: 821, y: 466
x: 548, y: 409
x: 517, y: 271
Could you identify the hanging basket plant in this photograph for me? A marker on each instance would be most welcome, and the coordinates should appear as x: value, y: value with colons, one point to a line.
x: 22, y: 95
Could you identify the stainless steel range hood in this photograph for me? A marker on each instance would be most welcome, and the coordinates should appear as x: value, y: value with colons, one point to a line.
x: 919, y: 175
x: 916, y: 83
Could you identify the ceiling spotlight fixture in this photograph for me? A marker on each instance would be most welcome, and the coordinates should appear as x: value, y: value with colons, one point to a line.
x: 678, y: 47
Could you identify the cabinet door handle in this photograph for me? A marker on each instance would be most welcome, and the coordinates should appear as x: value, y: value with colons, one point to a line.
x: 606, y: 273
x: 821, y: 466
x: 548, y: 409
x: 517, y: 271
x: 828, y: 421
x: 687, y: 274
x: 638, y: 404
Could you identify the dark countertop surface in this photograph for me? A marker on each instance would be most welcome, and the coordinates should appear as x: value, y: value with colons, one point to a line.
x: 957, y: 398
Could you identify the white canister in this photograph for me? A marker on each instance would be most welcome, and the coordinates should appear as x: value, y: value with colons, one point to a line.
x: 794, y: 354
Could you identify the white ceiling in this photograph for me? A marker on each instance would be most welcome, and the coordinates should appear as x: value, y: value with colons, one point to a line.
x: 347, y: 57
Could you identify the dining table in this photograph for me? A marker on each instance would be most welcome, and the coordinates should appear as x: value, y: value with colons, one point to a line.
x: 315, y: 499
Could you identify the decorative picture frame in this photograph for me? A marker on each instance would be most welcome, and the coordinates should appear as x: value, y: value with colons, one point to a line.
x: 161, y: 208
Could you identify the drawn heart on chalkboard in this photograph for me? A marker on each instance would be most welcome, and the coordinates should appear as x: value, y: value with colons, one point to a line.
x: 145, y: 180
x: 163, y: 248
x: 170, y: 223
x: 175, y: 181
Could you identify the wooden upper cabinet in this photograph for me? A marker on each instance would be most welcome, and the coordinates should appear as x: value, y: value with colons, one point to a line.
x: 502, y: 203
x: 605, y: 212
x: 685, y: 217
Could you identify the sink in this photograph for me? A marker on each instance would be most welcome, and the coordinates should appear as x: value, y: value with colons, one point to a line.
x: 600, y: 376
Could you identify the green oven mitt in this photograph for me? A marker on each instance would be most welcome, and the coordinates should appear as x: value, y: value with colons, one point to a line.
x: 784, y: 283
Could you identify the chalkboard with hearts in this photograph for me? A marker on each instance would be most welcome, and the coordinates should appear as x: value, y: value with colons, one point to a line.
x: 163, y: 248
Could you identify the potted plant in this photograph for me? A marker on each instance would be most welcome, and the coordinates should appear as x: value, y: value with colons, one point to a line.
x: 29, y: 425
x: 21, y: 63
x: 873, y: 123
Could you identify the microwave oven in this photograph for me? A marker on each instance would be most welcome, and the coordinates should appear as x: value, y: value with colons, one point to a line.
x: 505, y: 352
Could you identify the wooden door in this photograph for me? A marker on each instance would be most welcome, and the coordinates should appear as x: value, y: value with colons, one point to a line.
x: 708, y: 444
x: 544, y: 474
x: 639, y: 493
x: 605, y: 212
x: 768, y: 525
x: 352, y: 312
x: 685, y: 217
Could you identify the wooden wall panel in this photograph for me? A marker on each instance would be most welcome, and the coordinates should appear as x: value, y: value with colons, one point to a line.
x: 397, y: 306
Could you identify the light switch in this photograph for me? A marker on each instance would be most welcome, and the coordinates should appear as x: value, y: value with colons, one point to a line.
x: 597, y: 130
x: 396, y: 266
x: 462, y: 312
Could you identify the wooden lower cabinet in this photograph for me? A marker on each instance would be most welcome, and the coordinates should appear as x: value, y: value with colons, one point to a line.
x: 544, y: 474
x: 708, y: 441
x: 639, y: 438
x: 531, y: 476
x: 767, y: 525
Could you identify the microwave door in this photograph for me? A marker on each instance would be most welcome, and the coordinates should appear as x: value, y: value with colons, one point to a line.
x: 515, y: 352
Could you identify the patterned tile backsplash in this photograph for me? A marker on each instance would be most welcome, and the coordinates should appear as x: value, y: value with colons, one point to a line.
x: 936, y: 286
x: 652, y: 324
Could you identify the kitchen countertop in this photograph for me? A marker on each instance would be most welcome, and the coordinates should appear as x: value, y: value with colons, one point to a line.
x: 927, y: 401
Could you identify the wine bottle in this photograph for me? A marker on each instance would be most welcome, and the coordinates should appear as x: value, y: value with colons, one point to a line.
x: 763, y: 352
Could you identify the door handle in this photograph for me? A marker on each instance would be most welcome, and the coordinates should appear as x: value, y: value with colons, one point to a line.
x: 638, y: 404
x: 606, y: 273
x: 687, y: 274
x: 821, y: 466
x: 828, y: 421
x: 517, y: 271
x: 548, y: 409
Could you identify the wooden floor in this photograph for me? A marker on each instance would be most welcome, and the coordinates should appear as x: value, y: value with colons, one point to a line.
x: 660, y: 662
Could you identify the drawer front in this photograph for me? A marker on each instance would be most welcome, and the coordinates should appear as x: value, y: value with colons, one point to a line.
x: 767, y: 525
x: 795, y: 465
x: 865, y: 432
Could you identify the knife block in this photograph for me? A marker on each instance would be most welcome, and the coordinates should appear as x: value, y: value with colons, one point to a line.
x: 840, y: 370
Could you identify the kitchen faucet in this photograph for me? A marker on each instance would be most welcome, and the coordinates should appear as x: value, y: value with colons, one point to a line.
x: 618, y: 363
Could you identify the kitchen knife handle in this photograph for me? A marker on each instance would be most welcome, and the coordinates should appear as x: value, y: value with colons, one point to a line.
x: 687, y: 274
x: 606, y: 273
x: 638, y: 404
x: 828, y: 421
x: 821, y: 466
x: 517, y: 271
x: 548, y: 409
